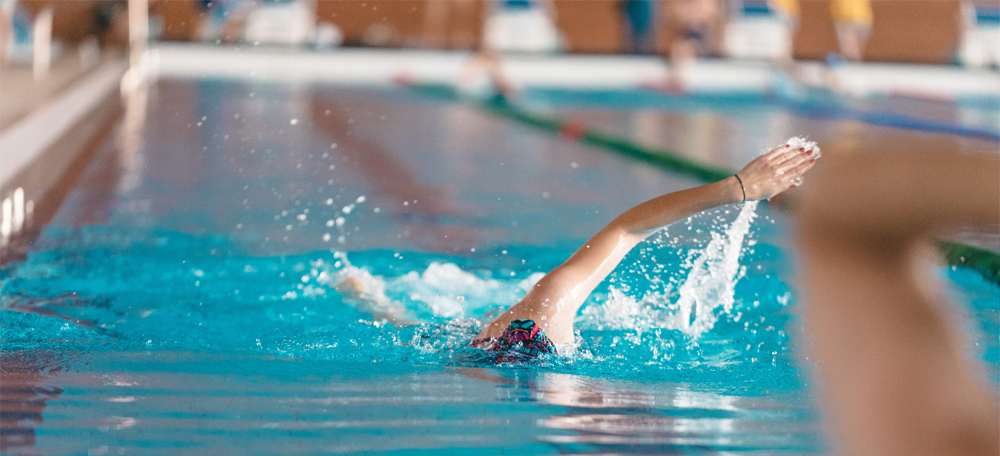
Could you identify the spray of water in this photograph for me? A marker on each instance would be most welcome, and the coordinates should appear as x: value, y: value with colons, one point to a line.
x: 708, y: 290
x: 711, y: 279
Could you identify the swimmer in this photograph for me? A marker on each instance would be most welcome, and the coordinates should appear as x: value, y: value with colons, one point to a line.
x: 543, y: 319
x: 695, y: 20
x: 483, y: 76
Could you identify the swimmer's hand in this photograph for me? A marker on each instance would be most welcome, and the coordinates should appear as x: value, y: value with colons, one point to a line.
x: 356, y: 292
x: 775, y: 171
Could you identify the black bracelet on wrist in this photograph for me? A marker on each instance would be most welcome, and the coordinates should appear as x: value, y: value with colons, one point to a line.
x: 737, y: 176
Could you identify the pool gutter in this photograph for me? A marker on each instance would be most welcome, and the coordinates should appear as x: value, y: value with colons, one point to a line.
x: 562, y: 71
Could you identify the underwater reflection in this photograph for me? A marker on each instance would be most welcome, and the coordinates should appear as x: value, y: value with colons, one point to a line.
x: 23, y: 397
x: 618, y: 417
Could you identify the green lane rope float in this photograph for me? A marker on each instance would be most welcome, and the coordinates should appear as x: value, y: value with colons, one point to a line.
x: 986, y: 262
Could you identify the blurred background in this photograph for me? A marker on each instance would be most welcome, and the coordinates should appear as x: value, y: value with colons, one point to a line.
x: 39, y: 35
x: 929, y: 31
x: 707, y: 81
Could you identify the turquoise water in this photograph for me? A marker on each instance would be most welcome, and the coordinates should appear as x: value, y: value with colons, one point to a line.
x: 182, y: 301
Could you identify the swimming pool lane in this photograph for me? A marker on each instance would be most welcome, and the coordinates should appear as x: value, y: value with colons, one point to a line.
x: 182, y: 301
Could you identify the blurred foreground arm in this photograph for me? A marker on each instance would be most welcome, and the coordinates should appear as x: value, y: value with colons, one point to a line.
x: 894, y: 372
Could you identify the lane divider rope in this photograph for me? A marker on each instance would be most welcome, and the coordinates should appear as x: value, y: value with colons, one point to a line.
x: 985, y: 262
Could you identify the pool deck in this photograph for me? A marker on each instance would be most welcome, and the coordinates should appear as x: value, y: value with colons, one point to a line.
x: 21, y: 92
x: 583, y: 72
x: 48, y: 126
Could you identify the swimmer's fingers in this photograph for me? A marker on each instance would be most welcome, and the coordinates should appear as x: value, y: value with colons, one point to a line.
x: 790, y: 178
x: 789, y: 166
x: 790, y: 155
x: 773, y: 172
x: 776, y: 154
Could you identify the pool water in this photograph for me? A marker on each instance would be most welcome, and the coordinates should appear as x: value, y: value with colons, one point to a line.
x: 183, y: 299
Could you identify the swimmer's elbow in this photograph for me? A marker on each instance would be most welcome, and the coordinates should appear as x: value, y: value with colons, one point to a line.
x: 561, y: 279
x: 622, y: 229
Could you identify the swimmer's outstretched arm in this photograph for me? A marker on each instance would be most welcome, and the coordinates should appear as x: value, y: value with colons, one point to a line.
x: 555, y: 299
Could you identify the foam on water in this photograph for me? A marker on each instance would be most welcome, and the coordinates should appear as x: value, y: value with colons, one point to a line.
x: 441, y: 290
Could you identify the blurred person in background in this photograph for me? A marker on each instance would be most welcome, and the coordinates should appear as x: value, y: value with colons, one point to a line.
x: 852, y: 20
x: 695, y: 21
x: 86, y: 25
x: 6, y: 25
x: 276, y: 22
x: 225, y: 20
x: 110, y: 23
x: 787, y: 80
x: 640, y: 24
x: 980, y: 41
x: 16, y: 33
x: 521, y: 26
x: 6, y: 28
x: 483, y: 77
x: 789, y: 13
x: 765, y: 29
x: 448, y: 24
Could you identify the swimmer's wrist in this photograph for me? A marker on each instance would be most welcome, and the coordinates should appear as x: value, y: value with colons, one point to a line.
x: 733, y: 190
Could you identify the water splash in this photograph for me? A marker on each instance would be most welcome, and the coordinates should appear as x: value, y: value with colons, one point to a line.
x: 701, y: 293
x: 796, y: 142
x: 442, y: 290
x: 711, y: 280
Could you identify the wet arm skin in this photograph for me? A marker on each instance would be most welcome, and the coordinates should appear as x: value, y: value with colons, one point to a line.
x: 893, y: 370
x: 555, y: 299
